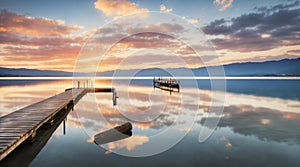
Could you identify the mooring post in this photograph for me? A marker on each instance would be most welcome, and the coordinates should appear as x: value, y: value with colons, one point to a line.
x: 32, y: 136
x: 114, y: 97
x: 51, y: 121
x: 64, y: 127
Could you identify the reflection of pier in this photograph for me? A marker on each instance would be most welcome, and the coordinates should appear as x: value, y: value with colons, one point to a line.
x: 27, y: 151
x: 170, y: 84
x: 23, y: 124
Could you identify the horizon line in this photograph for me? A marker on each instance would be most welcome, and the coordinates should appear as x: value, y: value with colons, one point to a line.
x: 166, y: 77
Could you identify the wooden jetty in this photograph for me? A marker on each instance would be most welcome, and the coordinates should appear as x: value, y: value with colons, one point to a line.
x: 22, y: 125
x: 166, y: 84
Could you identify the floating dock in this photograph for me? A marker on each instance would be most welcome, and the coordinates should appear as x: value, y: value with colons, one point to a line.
x: 170, y: 84
x: 22, y: 125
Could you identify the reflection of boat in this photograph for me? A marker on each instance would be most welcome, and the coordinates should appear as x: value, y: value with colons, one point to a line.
x: 166, y: 84
x: 114, y: 134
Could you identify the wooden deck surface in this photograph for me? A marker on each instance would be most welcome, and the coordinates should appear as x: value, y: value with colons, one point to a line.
x: 22, y: 124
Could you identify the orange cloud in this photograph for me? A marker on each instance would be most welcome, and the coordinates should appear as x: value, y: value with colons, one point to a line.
x: 118, y: 8
x: 22, y: 24
x: 75, y: 123
x: 45, y: 43
x: 194, y: 21
x: 130, y: 143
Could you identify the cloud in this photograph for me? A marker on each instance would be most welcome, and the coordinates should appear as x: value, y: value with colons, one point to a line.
x: 224, y: 4
x: 153, y: 60
x: 257, y: 31
x: 278, y: 7
x: 148, y: 40
x: 21, y: 24
x: 194, y: 21
x: 160, y: 27
x: 39, y: 43
x: 163, y: 8
x: 118, y: 8
x: 25, y: 48
x: 130, y: 143
x: 264, y: 123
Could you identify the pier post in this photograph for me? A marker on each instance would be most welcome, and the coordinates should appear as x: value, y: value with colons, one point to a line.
x: 32, y: 137
x: 51, y: 121
x: 114, y: 97
x: 64, y: 127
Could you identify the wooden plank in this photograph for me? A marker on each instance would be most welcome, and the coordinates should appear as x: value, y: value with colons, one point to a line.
x: 16, y: 127
x: 16, y: 132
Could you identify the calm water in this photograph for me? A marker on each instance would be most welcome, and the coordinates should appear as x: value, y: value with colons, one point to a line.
x: 260, y: 124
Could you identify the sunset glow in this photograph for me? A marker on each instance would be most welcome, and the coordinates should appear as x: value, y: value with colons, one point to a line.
x: 37, y: 39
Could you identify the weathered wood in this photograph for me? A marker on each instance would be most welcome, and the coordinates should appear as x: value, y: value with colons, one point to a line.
x: 21, y: 125
x: 114, y: 134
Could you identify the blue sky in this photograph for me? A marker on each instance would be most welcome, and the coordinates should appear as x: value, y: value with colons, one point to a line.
x: 50, y: 33
x: 81, y: 11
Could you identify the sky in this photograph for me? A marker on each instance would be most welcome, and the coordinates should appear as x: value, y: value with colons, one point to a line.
x: 105, y: 35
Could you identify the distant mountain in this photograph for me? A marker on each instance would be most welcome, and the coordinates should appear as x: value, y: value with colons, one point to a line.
x: 284, y: 67
x: 20, y: 72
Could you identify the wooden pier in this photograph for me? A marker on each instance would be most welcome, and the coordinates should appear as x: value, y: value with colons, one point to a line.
x: 22, y: 125
x: 166, y: 84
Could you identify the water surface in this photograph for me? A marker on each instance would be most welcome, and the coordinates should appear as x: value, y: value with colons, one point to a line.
x: 260, y: 124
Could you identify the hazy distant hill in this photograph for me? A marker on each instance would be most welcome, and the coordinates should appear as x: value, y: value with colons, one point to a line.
x: 281, y: 67
x: 32, y: 72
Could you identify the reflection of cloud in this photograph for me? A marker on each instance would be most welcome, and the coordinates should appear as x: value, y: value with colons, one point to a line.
x: 228, y: 143
x: 108, y: 152
x: 58, y: 134
x: 143, y: 125
x: 90, y: 140
x: 118, y: 7
x: 128, y: 143
x: 14, y: 97
x: 291, y: 116
x: 161, y: 111
x: 265, y: 123
x: 75, y: 123
x: 185, y: 129
x: 262, y: 102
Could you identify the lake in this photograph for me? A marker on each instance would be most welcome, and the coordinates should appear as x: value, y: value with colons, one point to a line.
x: 259, y: 125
